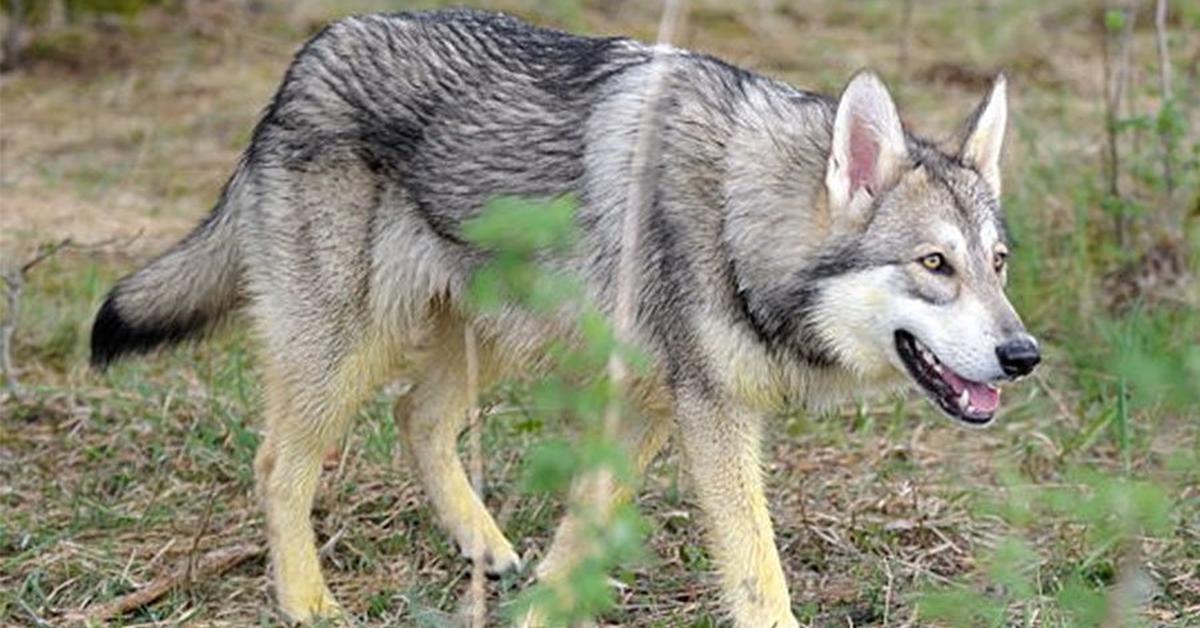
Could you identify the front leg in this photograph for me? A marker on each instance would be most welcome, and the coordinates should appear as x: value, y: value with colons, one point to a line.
x: 721, y: 443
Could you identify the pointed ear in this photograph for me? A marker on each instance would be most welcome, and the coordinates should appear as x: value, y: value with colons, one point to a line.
x: 985, y: 134
x: 868, y: 146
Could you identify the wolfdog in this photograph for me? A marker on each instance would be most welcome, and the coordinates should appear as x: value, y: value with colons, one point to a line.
x: 798, y: 249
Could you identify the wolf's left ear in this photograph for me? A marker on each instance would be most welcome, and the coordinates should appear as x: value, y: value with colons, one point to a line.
x: 985, y: 134
x: 868, y: 146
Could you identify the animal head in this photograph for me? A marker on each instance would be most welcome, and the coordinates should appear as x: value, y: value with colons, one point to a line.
x: 918, y: 255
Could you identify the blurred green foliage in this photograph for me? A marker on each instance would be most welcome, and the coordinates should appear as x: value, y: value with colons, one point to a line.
x: 1115, y: 516
x: 517, y: 234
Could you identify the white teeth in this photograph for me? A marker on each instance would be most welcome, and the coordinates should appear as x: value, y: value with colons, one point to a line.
x: 937, y: 368
x: 964, y: 400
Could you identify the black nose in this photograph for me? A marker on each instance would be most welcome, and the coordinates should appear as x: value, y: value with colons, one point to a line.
x: 1018, y: 357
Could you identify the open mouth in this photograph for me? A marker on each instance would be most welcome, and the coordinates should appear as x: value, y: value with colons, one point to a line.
x: 968, y: 401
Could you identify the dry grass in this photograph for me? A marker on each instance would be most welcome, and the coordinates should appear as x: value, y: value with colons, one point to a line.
x: 107, y: 483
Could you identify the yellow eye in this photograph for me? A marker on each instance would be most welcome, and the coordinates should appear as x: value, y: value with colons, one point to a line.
x: 934, y: 262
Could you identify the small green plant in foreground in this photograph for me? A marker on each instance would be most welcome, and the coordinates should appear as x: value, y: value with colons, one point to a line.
x: 518, y: 233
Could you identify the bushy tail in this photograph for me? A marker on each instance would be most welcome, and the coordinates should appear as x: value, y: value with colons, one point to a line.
x: 179, y: 295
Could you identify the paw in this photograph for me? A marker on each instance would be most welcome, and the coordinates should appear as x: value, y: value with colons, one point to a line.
x: 490, y: 546
x: 781, y: 620
x: 789, y: 621
x: 757, y: 612
x: 307, y: 606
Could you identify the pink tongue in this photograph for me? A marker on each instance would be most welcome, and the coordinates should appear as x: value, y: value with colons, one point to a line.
x: 984, y: 398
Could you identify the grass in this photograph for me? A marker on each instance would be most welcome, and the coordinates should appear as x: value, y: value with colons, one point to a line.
x: 107, y: 482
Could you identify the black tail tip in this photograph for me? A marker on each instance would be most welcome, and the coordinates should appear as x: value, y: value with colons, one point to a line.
x: 114, y: 335
x: 110, y: 335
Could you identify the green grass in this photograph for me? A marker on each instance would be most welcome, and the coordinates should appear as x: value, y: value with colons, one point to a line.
x: 882, y: 510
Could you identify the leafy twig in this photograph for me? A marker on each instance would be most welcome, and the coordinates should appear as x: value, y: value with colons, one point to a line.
x: 640, y: 197
x: 1164, y: 83
x: 477, y: 600
x: 1115, y: 82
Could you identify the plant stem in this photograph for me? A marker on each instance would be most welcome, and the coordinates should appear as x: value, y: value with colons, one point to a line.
x: 478, y: 594
x: 1115, y: 80
x: 1164, y: 83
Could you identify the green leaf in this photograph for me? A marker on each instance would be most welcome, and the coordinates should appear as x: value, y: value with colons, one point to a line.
x: 625, y: 536
x: 523, y: 225
x: 610, y: 455
x: 550, y: 467
x: 1114, y: 20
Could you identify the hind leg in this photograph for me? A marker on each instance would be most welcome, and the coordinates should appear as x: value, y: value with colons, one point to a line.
x: 310, y: 249
x: 307, y: 413
x: 432, y: 416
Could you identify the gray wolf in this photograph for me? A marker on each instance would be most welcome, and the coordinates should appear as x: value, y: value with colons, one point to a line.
x: 800, y: 248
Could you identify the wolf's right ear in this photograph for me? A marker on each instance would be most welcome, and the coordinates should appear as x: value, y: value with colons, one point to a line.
x: 868, y: 146
x: 984, y: 135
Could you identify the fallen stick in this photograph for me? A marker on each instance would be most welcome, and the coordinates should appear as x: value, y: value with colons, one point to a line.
x: 212, y: 565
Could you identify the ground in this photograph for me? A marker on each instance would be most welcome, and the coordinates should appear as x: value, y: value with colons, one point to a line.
x: 119, y: 135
